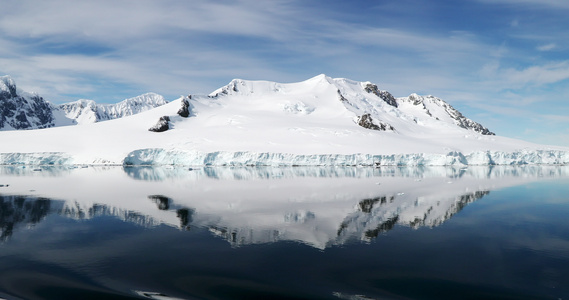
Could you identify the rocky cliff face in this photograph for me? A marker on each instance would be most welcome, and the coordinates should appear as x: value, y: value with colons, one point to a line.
x: 22, y: 110
x: 439, y: 109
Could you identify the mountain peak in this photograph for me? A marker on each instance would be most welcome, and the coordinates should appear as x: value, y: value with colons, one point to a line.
x: 7, y: 85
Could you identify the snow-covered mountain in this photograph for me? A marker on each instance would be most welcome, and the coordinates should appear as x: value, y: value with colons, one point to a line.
x: 320, y: 121
x: 374, y: 109
x: 87, y: 111
x: 22, y: 110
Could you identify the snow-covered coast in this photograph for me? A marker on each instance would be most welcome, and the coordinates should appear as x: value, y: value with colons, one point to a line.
x: 322, y: 121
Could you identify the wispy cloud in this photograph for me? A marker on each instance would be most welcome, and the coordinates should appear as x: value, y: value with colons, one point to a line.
x: 504, y: 65
x: 536, y: 3
x: 547, y: 47
x: 536, y: 75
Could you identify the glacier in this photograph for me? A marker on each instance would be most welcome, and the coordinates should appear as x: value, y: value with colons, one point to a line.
x: 157, y: 157
x: 163, y: 157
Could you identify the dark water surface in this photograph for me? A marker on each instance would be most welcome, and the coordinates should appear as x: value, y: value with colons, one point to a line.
x: 486, y: 233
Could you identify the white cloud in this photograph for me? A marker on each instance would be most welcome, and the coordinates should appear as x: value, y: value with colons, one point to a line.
x: 547, y: 47
x: 538, y: 75
x: 563, y: 4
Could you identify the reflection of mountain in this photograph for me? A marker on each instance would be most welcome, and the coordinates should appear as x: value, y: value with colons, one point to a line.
x: 371, y: 217
x: 19, y: 210
x: 379, y: 215
x: 26, y: 211
x: 78, y: 212
x: 320, y: 207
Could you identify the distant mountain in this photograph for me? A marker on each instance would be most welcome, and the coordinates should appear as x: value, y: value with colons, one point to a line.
x: 21, y: 110
x: 87, y: 111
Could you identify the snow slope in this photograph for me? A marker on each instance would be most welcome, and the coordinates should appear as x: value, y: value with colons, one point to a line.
x: 320, y: 121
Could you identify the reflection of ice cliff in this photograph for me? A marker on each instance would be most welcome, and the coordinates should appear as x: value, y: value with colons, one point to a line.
x: 248, y: 173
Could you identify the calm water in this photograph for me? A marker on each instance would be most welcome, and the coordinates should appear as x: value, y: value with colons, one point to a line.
x: 284, y: 233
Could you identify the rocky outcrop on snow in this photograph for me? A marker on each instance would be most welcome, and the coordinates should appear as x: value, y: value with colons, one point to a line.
x: 385, y: 95
x: 366, y: 121
x: 184, y: 111
x: 19, y: 110
x: 433, y: 106
x: 163, y: 124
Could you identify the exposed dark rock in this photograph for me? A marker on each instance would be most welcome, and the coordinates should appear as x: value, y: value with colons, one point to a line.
x: 385, y: 95
x: 342, y: 98
x: 163, y: 124
x: 184, y: 111
x: 366, y: 121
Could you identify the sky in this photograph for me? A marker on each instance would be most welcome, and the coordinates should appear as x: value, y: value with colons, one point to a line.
x: 502, y: 63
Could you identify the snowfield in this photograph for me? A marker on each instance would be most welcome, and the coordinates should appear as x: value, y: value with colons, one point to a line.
x: 320, y: 121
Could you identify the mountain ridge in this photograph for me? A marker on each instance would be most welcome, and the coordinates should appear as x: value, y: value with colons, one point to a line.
x: 21, y: 110
x: 319, y: 121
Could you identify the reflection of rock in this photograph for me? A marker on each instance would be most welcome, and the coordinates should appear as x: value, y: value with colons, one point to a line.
x: 367, y: 204
x: 379, y: 215
x: 78, y: 212
x: 163, y: 202
x: 185, y: 216
x: 246, y: 236
x: 15, y: 210
x: 381, y: 228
